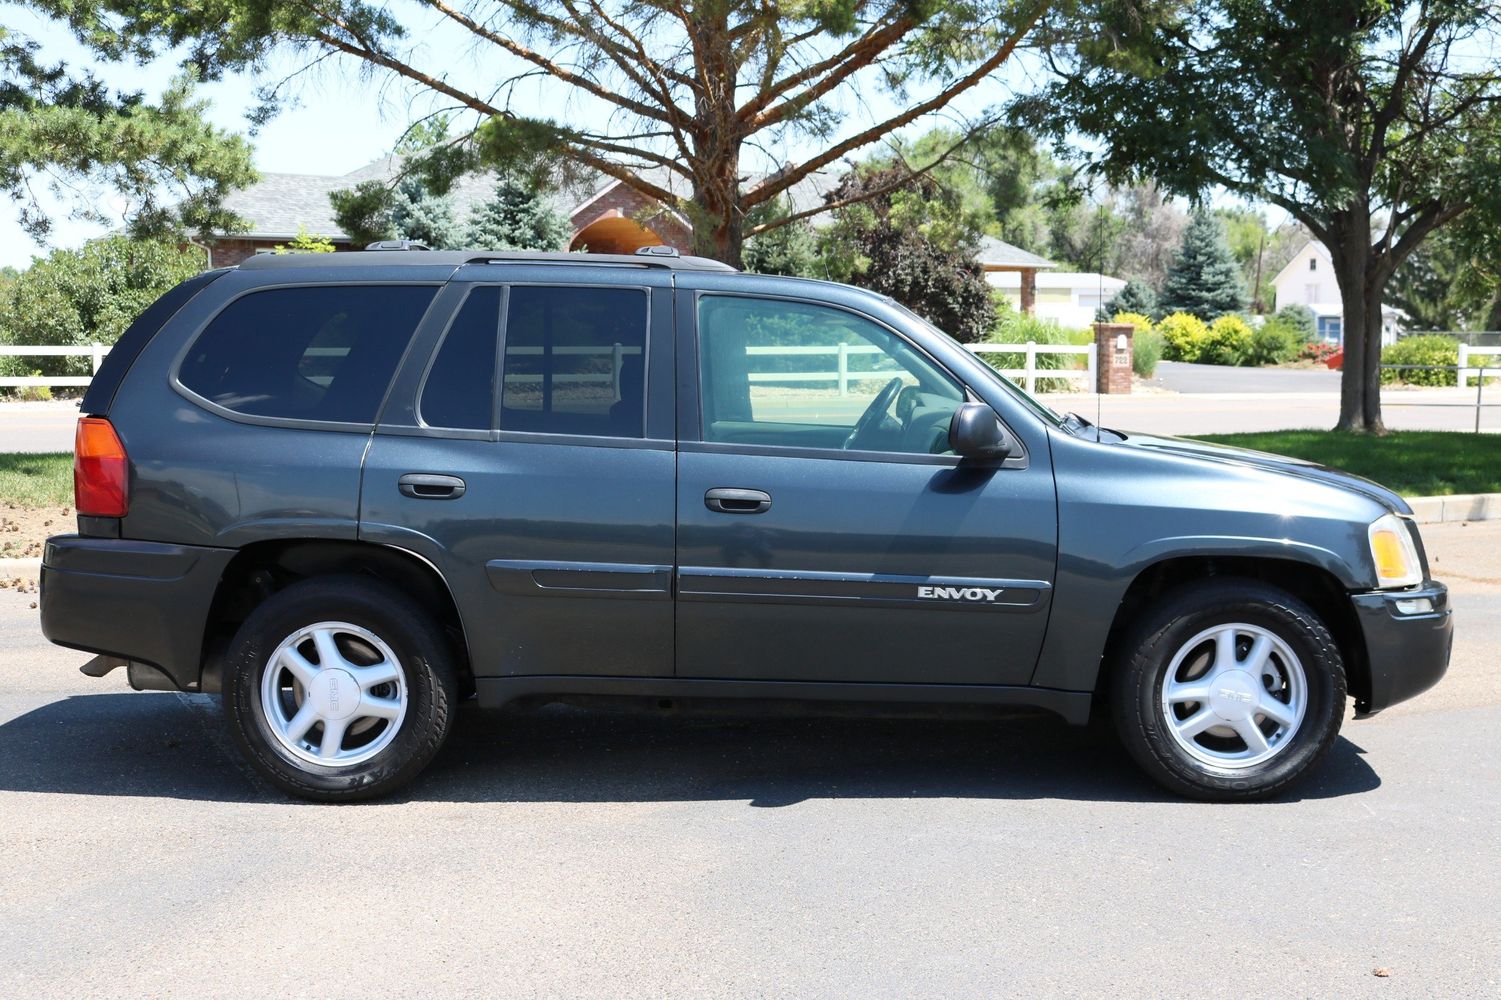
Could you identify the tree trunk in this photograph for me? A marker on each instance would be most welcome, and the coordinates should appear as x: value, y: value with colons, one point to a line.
x: 1360, y: 293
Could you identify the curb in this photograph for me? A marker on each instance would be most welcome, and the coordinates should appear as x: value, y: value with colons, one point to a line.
x: 1459, y: 507
x: 20, y: 569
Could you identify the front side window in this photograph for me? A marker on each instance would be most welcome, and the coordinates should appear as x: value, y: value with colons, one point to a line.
x: 807, y: 376
x: 575, y: 361
x: 324, y: 353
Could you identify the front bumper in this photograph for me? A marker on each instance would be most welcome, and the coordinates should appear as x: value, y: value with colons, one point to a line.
x: 1407, y: 651
x: 141, y: 601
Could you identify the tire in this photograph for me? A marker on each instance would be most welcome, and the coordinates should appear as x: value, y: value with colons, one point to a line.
x: 390, y: 657
x: 1283, y: 658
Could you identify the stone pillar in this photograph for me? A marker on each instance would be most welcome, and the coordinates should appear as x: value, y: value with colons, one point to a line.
x: 1113, y: 357
x: 1029, y: 291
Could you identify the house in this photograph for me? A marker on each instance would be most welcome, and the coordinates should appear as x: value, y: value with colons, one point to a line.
x: 1031, y: 284
x: 606, y: 215
x: 1309, y: 280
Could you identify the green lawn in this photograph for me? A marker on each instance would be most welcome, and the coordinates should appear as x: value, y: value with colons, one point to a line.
x: 36, y: 480
x: 1414, y: 463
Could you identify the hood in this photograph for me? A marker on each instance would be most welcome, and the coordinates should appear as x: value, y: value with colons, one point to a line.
x: 1295, y: 467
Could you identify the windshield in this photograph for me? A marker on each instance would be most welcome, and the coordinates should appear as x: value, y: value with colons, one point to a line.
x: 1046, y: 413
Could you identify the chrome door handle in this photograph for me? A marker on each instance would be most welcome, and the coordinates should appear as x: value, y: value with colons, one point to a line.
x: 732, y: 501
x: 427, y: 486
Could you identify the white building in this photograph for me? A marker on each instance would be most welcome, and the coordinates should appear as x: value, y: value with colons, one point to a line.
x: 1032, y: 286
x: 1309, y: 280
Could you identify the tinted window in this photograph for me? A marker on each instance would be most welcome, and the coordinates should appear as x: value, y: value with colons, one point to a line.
x: 460, y: 387
x: 805, y: 376
x: 575, y: 361
x: 306, y: 353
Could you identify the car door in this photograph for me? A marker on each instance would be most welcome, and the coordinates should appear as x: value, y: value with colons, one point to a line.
x: 528, y: 455
x: 824, y: 531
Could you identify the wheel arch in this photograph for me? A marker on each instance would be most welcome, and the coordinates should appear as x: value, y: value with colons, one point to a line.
x: 261, y: 569
x: 1314, y: 585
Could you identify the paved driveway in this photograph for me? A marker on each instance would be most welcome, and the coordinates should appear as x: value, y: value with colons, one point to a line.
x: 1180, y: 377
x: 585, y: 855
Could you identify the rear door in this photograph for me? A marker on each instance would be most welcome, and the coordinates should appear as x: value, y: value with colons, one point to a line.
x: 825, y: 532
x: 527, y: 453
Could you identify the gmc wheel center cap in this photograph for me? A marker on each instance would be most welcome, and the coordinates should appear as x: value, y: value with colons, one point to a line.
x: 334, y: 694
x: 1233, y: 695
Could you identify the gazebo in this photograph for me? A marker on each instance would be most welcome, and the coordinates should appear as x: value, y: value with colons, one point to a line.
x: 998, y: 255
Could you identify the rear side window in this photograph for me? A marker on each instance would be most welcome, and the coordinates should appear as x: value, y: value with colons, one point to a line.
x: 314, y: 353
x: 575, y: 361
x: 460, y: 386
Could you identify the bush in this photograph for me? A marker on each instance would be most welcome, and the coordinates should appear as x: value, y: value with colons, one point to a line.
x: 1300, y: 318
x: 1274, y: 343
x: 1183, y: 336
x: 1317, y: 351
x: 1228, y: 343
x: 1421, y: 351
x: 1018, y: 328
x: 1146, y: 351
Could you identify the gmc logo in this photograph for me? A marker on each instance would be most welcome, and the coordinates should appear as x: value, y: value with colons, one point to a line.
x: 960, y: 593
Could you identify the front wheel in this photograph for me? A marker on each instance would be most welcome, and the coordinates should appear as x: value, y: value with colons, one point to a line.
x: 339, y: 689
x: 1229, y: 690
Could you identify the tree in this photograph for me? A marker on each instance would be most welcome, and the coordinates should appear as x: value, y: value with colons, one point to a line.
x: 1204, y: 278
x: 417, y: 214
x: 517, y: 219
x: 689, y: 87
x: 1135, y: 298
x: 1339, y: 112
x: 77, y: 297
x: 899, y: 235
x: 791, y: 249
x: 364, y: 212
x: 67, y: 131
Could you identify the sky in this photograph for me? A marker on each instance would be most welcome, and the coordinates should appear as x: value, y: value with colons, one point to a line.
x: 342, y: 121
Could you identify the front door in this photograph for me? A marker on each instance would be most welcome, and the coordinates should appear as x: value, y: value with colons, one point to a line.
x: 531, y: 460
x: 824, y: 531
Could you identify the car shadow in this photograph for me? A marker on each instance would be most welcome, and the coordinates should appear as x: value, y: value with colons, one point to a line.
x: 171, y: 745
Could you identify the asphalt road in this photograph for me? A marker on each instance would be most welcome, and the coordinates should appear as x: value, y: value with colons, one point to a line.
x: 1180, y: 377
x: 570, y: 854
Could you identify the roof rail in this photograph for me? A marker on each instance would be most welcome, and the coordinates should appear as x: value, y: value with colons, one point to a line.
x: 399, y: 245
x: 656, y: 258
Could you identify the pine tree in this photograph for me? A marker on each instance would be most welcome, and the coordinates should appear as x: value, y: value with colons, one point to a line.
x: 427, y: 218
x: 791, y: 249
x: 517, y: 219
x: 1137, y: 297
x: 1204, y: 279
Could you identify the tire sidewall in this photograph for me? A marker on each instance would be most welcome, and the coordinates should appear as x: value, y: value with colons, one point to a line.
x: 418, y: 646
x: 1144, y: 727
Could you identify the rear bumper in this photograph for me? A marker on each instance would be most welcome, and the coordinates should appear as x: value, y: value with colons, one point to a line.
x: 1408, y: 649
x: 141, y: 601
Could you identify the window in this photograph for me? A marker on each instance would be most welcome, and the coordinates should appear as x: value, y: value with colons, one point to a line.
x: 806, y: 376
x: 314, y: 353
x: 460, y: 386
x: 1313, y: 263
x: 575, y: 361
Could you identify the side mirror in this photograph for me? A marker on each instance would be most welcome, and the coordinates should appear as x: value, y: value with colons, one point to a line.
x: 975, y: 432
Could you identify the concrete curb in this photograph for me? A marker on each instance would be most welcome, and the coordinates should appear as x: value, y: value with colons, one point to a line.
x: 20, y: 569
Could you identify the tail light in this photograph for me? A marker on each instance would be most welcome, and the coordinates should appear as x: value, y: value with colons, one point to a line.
x: 101, y: 476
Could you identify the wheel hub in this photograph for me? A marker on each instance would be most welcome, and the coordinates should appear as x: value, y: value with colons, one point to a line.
x: 1233, y: 695
x: 334, y: 694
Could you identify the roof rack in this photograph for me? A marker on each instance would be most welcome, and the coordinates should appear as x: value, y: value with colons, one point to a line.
x: 388, y: 252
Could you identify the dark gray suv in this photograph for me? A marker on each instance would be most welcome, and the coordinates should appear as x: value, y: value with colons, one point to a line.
x: 350, y: 490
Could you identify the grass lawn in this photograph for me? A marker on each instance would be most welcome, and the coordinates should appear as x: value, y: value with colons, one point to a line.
x: 36, y: 480
x: 1414, y: 463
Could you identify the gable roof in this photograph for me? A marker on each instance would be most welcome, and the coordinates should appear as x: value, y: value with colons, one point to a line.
x: 998, y: 255
x: 1323, y: 251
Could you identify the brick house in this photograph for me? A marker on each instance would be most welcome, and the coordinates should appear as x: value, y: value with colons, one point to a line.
x: 606, y: 215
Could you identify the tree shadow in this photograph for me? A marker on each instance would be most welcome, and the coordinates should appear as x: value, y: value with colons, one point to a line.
x: 169, y: 745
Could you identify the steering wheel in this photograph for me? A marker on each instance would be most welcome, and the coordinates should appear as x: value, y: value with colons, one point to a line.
x: 873, y: 413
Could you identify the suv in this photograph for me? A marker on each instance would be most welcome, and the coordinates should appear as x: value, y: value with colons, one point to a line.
x: 348, y: 491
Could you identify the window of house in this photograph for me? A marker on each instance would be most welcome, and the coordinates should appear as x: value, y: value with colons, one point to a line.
x: 460, y: 386
x: 575, y: 361
x: 1313, y: 263
x: 323, y: 353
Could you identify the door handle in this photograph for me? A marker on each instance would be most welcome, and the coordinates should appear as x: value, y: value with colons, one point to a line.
x: 731, y: 501
x: 426, y: 486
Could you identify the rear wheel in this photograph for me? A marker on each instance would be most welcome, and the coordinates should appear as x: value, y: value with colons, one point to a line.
x: 1229, y: 689
x: 338, y: 689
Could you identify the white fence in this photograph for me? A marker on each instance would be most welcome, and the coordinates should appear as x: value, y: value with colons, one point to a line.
x: 94, y: 351
x: 1030, y: 373
x: 1468, y: 371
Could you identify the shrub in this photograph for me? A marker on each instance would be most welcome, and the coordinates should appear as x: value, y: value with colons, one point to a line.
x: 1300, y: 318
x: 1228, y: 343
x: 1018, y: 328
x: 1317, y: 351
x: 1141, y: 322
x: 1274, y: 343
x: 1183, y: 336
x: 1421, y: 351
x: 1146, y: 351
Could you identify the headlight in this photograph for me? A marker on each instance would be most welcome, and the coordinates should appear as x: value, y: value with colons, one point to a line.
x: 1396, y: 558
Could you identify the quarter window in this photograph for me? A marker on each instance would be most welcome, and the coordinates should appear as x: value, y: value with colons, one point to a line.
x: 460, y: 386
x: 575, y: 361
x: 806, y: 376
x: 323, y: 353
